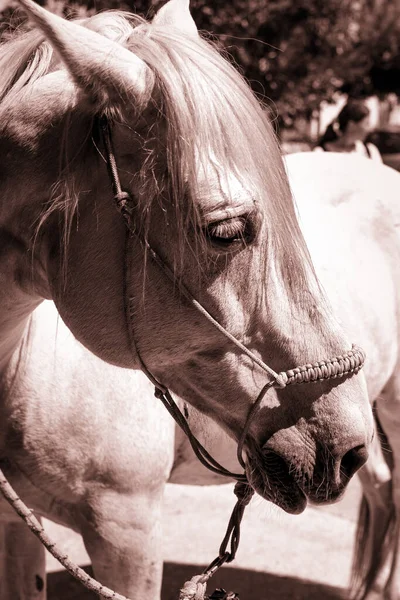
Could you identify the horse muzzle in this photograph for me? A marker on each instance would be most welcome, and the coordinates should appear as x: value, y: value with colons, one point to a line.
x: 290, y: 475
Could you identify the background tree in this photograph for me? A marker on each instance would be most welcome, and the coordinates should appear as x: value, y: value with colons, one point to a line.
x: 302, y: 52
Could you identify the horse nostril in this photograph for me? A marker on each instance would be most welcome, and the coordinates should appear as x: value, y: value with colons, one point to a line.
x: 353, y: 460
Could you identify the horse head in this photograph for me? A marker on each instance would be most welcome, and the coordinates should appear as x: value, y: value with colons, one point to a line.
x: 196, y: 152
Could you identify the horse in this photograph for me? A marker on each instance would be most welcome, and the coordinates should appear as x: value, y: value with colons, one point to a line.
x: 202, y: 280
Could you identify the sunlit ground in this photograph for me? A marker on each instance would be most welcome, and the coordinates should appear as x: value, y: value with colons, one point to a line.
x: 305, y: 557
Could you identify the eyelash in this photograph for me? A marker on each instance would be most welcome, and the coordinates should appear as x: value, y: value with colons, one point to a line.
x: 230, y: 231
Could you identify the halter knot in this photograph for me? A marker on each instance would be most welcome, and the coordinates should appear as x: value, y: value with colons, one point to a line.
x: 243, y: 492
x: 125, y: 206
x: 123, y: 200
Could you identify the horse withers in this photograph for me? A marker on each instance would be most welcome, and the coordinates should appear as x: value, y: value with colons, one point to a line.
x: 83, y: 440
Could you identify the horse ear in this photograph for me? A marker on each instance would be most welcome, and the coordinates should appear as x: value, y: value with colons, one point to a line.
x: 101, y: 67
x: 176, y: 13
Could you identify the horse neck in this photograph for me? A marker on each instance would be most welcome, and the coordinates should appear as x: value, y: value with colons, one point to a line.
x: 27, y: 151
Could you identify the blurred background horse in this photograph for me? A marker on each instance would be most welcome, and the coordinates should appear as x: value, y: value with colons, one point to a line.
x: 356, y: 197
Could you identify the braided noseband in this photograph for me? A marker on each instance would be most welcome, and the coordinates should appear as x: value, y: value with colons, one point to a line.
x: 348, y: 363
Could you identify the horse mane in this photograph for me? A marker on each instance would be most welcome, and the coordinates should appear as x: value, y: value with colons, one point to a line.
x: 23, y: 59
x: 200, y: 92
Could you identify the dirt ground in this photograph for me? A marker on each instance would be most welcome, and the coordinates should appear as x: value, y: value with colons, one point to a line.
x: 281, y: 557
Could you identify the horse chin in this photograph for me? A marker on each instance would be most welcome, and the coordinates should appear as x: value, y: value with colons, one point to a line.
x: 277, y: 485
x: 317, y: 499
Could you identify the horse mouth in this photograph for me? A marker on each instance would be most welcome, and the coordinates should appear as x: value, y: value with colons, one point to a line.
x: 269, y: 476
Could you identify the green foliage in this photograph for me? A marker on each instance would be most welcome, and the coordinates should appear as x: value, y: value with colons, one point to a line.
x: 301, y: 52
x: 297, y: 53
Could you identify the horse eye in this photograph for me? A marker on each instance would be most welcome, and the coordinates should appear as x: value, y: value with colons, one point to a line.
x: 229, y: 231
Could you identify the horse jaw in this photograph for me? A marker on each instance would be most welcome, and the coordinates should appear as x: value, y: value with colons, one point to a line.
x: 176, y: 13
x: 101, y: 67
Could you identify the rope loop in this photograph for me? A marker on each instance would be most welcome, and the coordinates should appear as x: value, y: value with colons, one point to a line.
x: 244, y: 493
x: 195, y: 589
